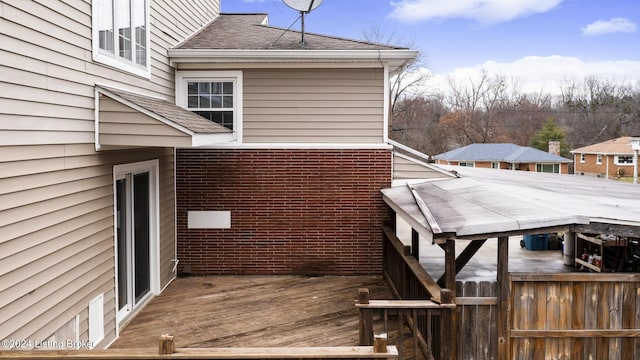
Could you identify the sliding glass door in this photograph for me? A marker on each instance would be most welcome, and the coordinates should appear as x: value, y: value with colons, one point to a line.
x: 133, y: 260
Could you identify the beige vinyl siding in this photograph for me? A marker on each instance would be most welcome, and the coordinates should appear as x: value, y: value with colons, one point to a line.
x: 167, y: 205
x: 56, y: 221
x: 122, y: 125
x: 404, y: 169
x: 313, y: 106
x: 56, y: 192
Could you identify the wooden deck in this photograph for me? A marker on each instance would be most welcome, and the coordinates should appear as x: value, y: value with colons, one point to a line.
x: 246, y: 311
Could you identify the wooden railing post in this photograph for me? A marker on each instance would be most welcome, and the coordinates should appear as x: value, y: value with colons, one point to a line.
x: 380, y: 343
x: 448, y: 327
x: 166, y: 345
x: 365, y: 328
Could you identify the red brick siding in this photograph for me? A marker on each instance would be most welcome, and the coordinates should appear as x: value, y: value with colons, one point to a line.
x: 292, y: 211
x: 591, y: 166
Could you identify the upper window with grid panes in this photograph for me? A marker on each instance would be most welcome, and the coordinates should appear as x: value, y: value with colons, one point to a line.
x: 212, y: 100
x: 121, y: 34
x: 214, y: 95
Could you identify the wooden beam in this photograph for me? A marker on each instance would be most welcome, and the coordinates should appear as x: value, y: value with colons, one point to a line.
x: 415, y: 244
x: 503, y: 315
x: 440, y: 238
x: 577, y: 277
x: 613, y: 229
x: 464, y: 257
x: 423, y: 276
x: 450, y: 266
x: 467, y: 300
x: 365, y: 323
x: 344, y: 352
x: 404, y: 304
x: 597, y: 333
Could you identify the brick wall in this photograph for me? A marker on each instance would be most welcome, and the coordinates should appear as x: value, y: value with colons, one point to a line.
x: 308, y: 212
x: 591, y: 166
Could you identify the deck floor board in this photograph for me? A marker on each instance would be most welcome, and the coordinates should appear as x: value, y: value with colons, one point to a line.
x: 253, y: 311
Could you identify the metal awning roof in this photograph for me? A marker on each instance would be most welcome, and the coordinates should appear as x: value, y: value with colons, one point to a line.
x: 482, y: 203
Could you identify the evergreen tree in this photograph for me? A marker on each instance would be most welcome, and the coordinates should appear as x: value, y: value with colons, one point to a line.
x: 550, y: 132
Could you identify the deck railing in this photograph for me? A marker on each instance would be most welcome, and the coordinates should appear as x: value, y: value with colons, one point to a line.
x: 425, y: 308
x: 168, y: 351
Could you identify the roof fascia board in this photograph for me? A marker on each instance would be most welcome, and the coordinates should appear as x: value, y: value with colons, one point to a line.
x: 203, y: 140
x: 422, y: 229
x: 298, y: 146
x: 397, y: 57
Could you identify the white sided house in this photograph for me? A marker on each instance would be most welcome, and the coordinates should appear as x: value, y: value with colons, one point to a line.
x: 111, y: 184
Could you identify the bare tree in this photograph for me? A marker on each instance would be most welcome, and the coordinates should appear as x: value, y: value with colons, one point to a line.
x: 412, y: 82
x: 474, y: 107
x: 597, y: 110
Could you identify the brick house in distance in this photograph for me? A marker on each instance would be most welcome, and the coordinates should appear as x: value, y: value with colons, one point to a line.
x: 507, y: 156
x: 609, y: 159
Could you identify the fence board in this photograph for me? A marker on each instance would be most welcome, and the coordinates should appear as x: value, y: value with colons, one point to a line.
x: 579, y: 319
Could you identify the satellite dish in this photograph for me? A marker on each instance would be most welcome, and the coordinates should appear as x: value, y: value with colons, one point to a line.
x: 303, y: 5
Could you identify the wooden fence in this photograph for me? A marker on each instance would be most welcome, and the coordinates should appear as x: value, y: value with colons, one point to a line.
x: 477, y: 319
x: 575, y: 316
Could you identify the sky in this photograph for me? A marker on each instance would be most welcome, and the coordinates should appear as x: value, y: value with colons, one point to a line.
x: 539, y: 44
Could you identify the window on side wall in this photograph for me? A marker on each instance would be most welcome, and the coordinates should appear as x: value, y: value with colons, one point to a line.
x: 624, y: 160
x: 495, y: 165
x: 121, y: 35
x: 213, y: 95
x: 599, y: 159
x: 467, y: 164
x: 582, y: 158
x: 548, y: 168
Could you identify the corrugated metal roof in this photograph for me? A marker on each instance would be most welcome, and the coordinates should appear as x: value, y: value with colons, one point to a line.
x: 510, y: 153
x: 485, y: 201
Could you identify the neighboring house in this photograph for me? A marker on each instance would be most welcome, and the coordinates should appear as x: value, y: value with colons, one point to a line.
x: 104, y: 197
x: 505, y: 156
x: 612, y: 158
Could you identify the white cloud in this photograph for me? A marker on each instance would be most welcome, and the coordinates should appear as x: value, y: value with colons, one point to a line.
x: 536, y: 74
x: 483, y: 11
x: 609, y: 26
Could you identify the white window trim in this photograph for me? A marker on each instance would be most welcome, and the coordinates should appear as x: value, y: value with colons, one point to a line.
x: 598, y: 159
x: 468, y: 163
x: 582, y: 158
x: 183, y: 77
x: 112, y: 59
x: 616, y: 160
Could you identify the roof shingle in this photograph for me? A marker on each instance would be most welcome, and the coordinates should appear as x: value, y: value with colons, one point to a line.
x: 252, y: 32
x: 500, y: 152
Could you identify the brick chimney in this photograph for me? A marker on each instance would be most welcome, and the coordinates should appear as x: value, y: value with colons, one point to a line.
x: 554, y: 148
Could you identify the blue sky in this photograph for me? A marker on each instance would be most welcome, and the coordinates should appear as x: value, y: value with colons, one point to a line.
x: 541, y: 43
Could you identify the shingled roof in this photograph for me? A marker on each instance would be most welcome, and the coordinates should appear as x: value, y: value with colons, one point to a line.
x: 510, y: 153
x: 618, y: 146
x: 248, y: 38
x: 252, y: 32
